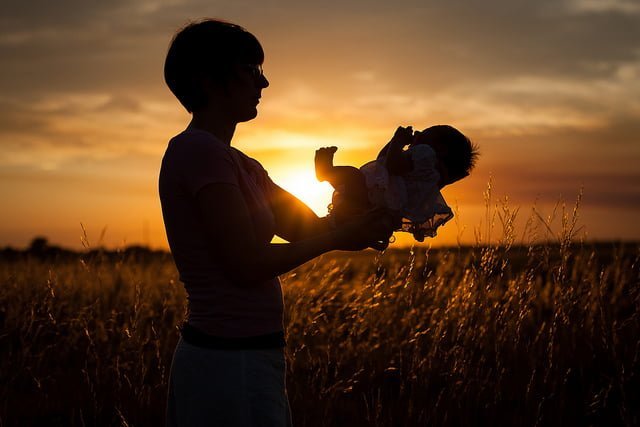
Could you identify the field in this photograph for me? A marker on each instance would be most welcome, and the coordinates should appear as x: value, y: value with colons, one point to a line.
x: 502, y: 334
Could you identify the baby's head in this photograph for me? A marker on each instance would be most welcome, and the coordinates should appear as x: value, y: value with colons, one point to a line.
x: 456, y: 154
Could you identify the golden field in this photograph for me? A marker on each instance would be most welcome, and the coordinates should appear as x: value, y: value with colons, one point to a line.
x: 543, y: 332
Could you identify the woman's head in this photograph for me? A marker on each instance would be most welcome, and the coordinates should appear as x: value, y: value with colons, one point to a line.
x: 210, y: 53
x: 456, y: 153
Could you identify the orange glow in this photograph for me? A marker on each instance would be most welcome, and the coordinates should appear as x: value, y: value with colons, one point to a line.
x: 83, y: 130
x: 303, y: 184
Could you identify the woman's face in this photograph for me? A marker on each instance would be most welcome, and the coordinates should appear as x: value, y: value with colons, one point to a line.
x: 244, y: 89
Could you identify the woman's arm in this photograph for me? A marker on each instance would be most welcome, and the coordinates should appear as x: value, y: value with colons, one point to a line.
x: 228, y: 225
x: 294, y: 220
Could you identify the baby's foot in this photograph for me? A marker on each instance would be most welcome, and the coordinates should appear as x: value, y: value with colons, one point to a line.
x: 324, y: 162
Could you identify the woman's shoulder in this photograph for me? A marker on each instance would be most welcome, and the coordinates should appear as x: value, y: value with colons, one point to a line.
x: 191, y: 144
x: 248, y: 163
x: 195, y: 139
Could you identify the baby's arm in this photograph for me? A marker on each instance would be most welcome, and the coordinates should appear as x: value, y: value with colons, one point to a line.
x: 396, y: 160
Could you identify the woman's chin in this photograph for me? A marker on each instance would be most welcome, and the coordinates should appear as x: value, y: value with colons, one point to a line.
x: 250, y: 114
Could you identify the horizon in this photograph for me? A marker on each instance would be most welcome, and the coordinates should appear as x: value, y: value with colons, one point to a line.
x: 45, y: 244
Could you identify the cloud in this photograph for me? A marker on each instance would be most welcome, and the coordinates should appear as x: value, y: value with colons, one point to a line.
x: 73, y: 44
x: 16, y: 115
x: 57, y: 131
x: 604, y: 6
x: 617, y: 190
x: 525, y: 103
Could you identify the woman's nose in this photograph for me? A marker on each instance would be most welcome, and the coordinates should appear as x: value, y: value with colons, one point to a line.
x: 264, y: 83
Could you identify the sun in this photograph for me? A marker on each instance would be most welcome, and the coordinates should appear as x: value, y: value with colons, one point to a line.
x: 304, y: 185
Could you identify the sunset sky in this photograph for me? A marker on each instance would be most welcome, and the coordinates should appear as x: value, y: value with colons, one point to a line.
x: 549, y: 90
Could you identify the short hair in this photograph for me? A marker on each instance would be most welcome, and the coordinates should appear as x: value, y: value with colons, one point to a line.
x: 207, y: 49
x: 460, y: 154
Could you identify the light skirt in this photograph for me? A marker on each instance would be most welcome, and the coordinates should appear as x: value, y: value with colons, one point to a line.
x: 230, y: 388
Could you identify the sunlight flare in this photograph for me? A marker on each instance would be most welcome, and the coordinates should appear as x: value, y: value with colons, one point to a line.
x: 303, y: 184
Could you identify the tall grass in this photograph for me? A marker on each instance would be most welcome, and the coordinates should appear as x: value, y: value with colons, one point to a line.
x: 535, y: 330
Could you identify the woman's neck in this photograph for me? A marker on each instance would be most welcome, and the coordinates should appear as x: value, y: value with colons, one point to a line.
x: 215, y: 125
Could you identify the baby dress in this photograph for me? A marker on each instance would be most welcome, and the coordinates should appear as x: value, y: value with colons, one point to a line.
x: 414, y: 194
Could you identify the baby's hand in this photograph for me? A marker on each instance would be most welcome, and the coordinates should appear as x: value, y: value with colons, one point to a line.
x: 403, y: 136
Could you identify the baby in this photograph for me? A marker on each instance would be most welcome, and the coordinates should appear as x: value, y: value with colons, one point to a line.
x: 405, y: 181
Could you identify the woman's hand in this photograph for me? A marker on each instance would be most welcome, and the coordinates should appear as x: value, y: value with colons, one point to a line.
x: 372, y: 229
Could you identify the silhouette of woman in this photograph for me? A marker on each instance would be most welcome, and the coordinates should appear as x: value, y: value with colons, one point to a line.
x: 221, y: 211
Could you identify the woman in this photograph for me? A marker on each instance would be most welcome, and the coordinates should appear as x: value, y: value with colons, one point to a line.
x: 221, y: 211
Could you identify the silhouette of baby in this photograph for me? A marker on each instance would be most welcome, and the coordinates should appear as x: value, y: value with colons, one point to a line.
x: 406, y: 178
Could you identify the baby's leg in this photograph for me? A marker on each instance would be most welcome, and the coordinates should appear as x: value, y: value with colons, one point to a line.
x: 324, y: 163
x: 351, y: 183
x: 347, y: 178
